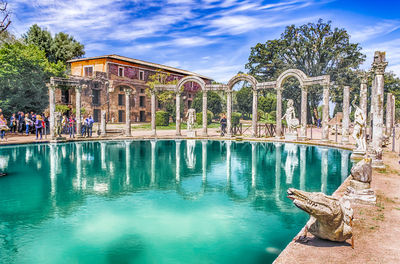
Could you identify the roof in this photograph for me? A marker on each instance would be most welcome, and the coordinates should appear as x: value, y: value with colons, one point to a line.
x: 146, y: 63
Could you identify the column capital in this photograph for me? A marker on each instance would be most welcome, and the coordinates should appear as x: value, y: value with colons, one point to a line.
x: 363, y: 77
x: 79, y: 88
x: 379, y: 64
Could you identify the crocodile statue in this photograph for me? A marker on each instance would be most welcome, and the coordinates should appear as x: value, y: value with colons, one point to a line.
x: 330, y: 218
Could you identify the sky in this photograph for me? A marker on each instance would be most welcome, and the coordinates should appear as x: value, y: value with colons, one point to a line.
x: 209, y: 37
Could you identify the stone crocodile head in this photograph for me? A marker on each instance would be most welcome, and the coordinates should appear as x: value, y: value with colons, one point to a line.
x: 324, y: 208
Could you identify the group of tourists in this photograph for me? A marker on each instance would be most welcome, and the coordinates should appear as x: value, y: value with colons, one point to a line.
x: 69, y: 126
x: 23, y: 123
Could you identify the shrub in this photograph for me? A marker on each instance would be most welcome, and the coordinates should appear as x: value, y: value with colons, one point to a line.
x: 199, y: 118
x: 162, y: 118
x: 236, y: 118
x: 62, y: 108
x: 272, y: 117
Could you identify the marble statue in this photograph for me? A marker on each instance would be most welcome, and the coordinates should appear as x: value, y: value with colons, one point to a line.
x: 359, y: 131
x: 291, y: 121
x: 191, y: 118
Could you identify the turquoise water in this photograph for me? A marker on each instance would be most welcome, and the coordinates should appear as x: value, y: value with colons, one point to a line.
x: 157, y: 202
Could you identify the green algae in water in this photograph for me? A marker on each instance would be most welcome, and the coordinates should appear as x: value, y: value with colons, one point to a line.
x: 157, y: 201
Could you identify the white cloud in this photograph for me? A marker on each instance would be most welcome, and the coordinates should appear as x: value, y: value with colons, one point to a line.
x: 373, y: 31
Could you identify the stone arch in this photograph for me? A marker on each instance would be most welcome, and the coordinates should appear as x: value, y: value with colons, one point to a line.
x: 191, y: 78
x: 126, y: 85
x: 242, y: 77
x: 298, y: 74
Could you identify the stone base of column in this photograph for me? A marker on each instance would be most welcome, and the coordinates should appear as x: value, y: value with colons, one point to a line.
x: 204, y: 134
x: 291, y: 136
x: 58, y: 140
x: 378, y: 164
x: 153, y: 133
x: 302, y: 138
x: 357, y: 155
x: 345, y: 140
x: 191, y: 134
x: 79, y: 136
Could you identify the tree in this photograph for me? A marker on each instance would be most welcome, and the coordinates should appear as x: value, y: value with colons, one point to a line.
x: 267, y: 103
x: 214, y: 102
x: 316, y: 49
x: 244, y: 98
x: 62, y: 47
x: 24, y: 72
x: 5, y: 20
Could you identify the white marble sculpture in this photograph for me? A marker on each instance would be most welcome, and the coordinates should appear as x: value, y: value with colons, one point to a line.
x: 191, y: 118
x: 359, y: 132
x: 291, y: 121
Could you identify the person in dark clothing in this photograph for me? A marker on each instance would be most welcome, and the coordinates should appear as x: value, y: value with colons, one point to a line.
x: 223, y: 125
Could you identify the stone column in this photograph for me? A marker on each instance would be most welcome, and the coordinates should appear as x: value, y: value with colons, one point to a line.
x: 346, y: 115
x: 389, y: 114
x: 278, y: 113
x: 52, y: 108
x: 393, y: 110
x: 325, y: 114
x: 103, y: 124
x: 204, y: 113
x: 178, y: 114
x: 303, y: 128
x: 255, y: 113
x: 378, y: 66
x: 153, y: 113
x: 229, y: 113
x: 128, y: 92
x: 364, y: 94
x: 78, y: 90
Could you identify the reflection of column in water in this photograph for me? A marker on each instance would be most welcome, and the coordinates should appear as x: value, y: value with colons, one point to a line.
x: 64, y: 151
x: 4, y: 163
x: 291, y: 161
x: 344, y: 168
x: 178, y: 159
x: 324, y: 169
x: 278, y: 160
x: 128, y: 161
x: 228, y: 162
x: 191, y: 158
x: 303, y: 162
x: 103, y: 155
x: 253, y: 164
x: 204, y: 159
x: 78, y: 165
x: 153, y: 161
x: 53, y: 167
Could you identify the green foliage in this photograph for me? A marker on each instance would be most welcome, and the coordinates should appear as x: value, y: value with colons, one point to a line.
x: 244, y: 98
x: 162, y: 118
x: 24, y: 71
x: 199, y: 117
x: 236, y: 118
x: 214, y: 102
x: 62, y: 47
x: 83, y: 111
x: 62, y: 108
x: 267, y: 103
x: 271, y: 117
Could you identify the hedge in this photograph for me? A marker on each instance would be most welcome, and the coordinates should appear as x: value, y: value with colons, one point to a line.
x: 162, y: 118
x: 199, y: 118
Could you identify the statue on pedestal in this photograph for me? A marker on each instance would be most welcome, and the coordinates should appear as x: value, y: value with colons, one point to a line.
x: 359, y: 132
x: 191, y: 118
x: 291, y: 121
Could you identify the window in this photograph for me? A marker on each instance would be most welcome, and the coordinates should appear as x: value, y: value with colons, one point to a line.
x: 141, y: 90
x: 190, y: 95
x: 121, y: 89
x: 65, y: 96
x: 141, y: 75
x: 121, y: 116
x: 96, y: 115
x: 121, y: 71
x: 96, y: 97
x: 142, y: 101
x: 121, y: 99
x: 88, y: 71
x: 191, y: 84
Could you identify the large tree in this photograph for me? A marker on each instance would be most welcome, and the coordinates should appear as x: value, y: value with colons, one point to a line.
x: 244, y: 100
x: 62, y: 47
x: 314, y: 48
x: 214, y: 102
x: 24, y: 71
x: 5, y: 20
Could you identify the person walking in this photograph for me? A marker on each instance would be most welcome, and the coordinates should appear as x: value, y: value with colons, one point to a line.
x: 39, y: 127
x: 89, y: 122
x: 13, y: 124
x: 71, y: 127
x: 21, y: 123
x: 223, y: 125
x: 3, y: 127
x: 28, y: 124
x: 84, y: 126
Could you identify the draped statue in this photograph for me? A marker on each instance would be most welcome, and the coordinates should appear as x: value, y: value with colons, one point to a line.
x: 291, y: 120
x: 359, y: 130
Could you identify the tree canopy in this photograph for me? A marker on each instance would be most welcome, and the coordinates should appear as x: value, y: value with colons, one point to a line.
x: 214, y: 102
x: 5, y: 20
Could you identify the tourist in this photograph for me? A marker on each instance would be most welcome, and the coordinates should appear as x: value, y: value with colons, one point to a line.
x: 65, y: 125
x: 223, y: 125
x: 13, y: 124
x: 84, y: 126
x: 3, y: 127
x: 71, y: 127
x: 89, y: 122
x: 28, y: 124
x: 39, y: 127
x: 21, y: 122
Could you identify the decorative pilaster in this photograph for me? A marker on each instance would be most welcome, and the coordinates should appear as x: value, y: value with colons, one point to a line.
x: 325, y: 114
x: 103, y: 124
x: 178, y: 114
x: 346, y: 115
x: 278, y: 113
x: 52, y: 108
x: 229, y: 112
x: 303, y: 118
x: 255, y: 113
x: 128, y: 92
x: 153, y: 113
x: 204, y: 133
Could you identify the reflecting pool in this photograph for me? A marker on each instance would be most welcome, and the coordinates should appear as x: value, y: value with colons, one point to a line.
x: 157, y: 201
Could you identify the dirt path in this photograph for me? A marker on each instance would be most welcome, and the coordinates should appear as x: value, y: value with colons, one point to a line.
x: 376, y: 228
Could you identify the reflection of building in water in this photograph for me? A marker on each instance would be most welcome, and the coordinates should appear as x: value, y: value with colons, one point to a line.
x: 324, y: 169
x: 190, y: 157
x: 303, y: 162
x: 53, y: 168
x: 103, y: 155
x: 344, y: 168
x: 292, y: 161
x: 178, y: 159
x: 204, y: 159
x: 153, y: 161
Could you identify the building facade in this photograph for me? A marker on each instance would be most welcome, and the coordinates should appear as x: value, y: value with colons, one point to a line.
x: 121, y: 73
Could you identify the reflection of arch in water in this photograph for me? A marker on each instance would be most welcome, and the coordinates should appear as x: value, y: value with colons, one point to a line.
x: 344, y: 168
x: 190, y: 156
x: 324, y: 169
x: 190, y: 195
x: 292, y: 161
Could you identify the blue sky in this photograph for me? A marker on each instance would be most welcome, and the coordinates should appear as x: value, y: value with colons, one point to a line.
x: 210, y: 37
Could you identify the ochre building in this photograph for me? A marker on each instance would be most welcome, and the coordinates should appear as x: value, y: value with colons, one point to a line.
x: 121, y: 73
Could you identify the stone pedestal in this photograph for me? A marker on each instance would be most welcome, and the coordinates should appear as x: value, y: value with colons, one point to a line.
x: 378, y: 163
x: 103, y: 132
x: 291, y: 136
x: 191, y: 134
x: 58, y: 140
x: 360, y: 192
x: 357, y: 155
